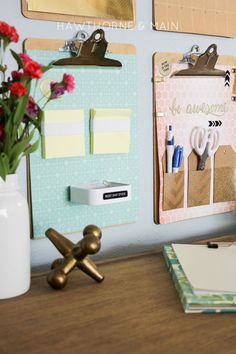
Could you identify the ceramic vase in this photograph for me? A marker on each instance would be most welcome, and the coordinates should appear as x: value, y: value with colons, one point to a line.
x: 14, y: 240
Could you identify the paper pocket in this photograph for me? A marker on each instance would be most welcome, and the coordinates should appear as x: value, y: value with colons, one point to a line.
x: 225, y: 174
x: 199, y: 182
x: 173, y: 196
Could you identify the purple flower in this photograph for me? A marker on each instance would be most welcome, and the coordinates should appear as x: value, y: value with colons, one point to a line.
x: 57, y: 90
x: 32, y: 107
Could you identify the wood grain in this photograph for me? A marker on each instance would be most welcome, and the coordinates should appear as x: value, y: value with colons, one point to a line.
x: 210, y: 17
x: 55, y: 44
x: 135, y: 310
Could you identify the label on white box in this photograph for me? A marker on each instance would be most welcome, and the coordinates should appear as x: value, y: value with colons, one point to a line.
x: 115, y: 195
x: 100, y: 193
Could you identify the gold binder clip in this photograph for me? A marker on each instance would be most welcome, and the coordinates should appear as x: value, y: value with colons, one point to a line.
x: 205, y: 65
x: 91, y: 52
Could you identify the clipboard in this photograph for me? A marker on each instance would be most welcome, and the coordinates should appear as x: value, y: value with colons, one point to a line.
x: 107, y: 215
x: 121, y: 20
x: 214, y: 18
x: 201, y: 265
x: 214, y: 202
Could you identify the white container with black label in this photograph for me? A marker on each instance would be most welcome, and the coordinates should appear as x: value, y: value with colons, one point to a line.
x: 100, y: 193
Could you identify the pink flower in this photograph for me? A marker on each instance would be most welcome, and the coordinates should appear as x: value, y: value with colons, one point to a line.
x: 14, y: 35
x: 8, y: 32
x: 18, y: 89
x: 24, y: 57
x: 69, y: 82
x: 33, y: 69
x: 16, y: 75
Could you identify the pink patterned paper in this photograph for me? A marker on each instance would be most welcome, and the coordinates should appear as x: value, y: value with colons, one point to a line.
x: 185, y: 91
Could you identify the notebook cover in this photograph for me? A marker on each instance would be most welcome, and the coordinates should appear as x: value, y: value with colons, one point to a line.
x: 195, y: 303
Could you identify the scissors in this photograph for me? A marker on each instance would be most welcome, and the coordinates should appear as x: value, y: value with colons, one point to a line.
x: 205, y: 142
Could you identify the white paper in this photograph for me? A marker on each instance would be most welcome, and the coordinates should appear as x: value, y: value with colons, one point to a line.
x: 113, y: 125
x: 208, y: 270
x: 62, y: 129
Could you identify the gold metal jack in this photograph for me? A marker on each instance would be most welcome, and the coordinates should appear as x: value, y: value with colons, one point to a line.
x: 75, y: 255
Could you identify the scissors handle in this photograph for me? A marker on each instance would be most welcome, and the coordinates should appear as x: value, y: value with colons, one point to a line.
x: 203, y: 158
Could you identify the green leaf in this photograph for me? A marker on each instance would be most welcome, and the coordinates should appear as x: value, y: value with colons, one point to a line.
x: 20, y: 109
x: 32, y: 148
x: 46, y: 68
x: 14, y: 166
x: 17, y: 59
x: 5, y: 106
x: 40, y: 119
x: 20, y: 129
x: 7, y: 126
x: 4, y: 166
x: 3, y: 89
x: 19, y: 148
x: 34, y: 121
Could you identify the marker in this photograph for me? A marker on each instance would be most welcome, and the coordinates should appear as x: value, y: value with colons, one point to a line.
x: 170, y: 149
x: 177, y: 159
x: 175, y: 165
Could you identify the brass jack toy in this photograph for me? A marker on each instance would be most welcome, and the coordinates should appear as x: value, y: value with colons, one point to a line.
x: 75, y: 255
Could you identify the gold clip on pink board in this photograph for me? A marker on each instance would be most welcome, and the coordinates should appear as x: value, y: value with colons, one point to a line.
x: 201, y: 113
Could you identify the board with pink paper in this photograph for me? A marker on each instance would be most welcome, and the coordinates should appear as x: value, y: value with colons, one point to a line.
x: 194, y: 135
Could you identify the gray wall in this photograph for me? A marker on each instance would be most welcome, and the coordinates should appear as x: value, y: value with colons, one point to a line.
x: 143, y: 235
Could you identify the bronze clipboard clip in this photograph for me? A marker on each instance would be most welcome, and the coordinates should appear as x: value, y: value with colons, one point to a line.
x: 205, y: 65
x: 91, y: 52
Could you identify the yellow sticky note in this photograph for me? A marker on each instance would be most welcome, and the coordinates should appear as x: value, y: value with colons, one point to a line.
x: 110, y: 131
x: 63, y: 134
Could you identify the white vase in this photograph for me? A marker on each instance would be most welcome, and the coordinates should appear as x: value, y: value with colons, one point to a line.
x: 14, y: 240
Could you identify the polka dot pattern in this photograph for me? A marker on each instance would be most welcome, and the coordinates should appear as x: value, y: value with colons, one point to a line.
x: 50, y: 179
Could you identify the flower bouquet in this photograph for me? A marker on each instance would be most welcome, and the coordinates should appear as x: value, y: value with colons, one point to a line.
x: 20, y: 115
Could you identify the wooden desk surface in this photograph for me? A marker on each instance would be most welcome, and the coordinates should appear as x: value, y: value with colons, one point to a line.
x: 135, y: 310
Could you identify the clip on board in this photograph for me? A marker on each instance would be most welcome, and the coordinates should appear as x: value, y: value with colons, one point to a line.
x: 91, y: 52
x: 215, y: 18
x: 204, y: 65
x: 102, y: 113
x: 118, y: 13
x: 194, y: 137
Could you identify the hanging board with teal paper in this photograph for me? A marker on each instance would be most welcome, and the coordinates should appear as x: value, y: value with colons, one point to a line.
x: 58, y: 164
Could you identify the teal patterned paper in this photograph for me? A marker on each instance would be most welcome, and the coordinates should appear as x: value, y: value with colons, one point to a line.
x: 50, y: 179
x: 193, y: 303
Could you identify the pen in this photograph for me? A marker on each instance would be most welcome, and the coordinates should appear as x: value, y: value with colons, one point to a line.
x: 181, y: 154
x: 177, y: 159
x: 170, y: 149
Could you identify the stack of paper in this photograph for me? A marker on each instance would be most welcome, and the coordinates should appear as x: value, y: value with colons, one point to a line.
x: 110, y: 131
x: 204, y: 278
x: 63, y: 134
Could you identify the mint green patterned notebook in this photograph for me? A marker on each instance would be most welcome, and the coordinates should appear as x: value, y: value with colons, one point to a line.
x: 191, y: 302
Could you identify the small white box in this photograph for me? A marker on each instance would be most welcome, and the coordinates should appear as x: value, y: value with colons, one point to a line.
x: 101, y: 193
